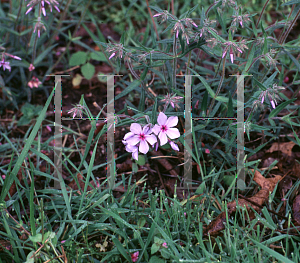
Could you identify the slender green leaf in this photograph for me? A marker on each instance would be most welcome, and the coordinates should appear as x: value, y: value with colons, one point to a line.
x: 9, y: 179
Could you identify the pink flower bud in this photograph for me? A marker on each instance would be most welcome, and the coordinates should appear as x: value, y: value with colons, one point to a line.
x: 273, y: 104
x: 112, y: 55
x: 28, y: 10
x: 231, y: 55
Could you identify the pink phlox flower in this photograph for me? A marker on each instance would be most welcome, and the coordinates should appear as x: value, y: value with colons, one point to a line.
x: 140, y: 136
x: 5, y: 65
x: 165, y: 129
x: 135, y: 256
x: 132, y: 149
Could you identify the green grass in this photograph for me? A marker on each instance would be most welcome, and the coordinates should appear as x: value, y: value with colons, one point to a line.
x: 96, y: 224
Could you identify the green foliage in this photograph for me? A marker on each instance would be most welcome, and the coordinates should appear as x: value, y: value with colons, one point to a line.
x: 29, y: 112
x: 163, y: 228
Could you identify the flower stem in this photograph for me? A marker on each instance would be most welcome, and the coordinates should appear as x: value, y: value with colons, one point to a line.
x: 174, y: 61
x: 282, y: 40
x: 74, y: 33
x: 57, y: 28
x: 219, y: 88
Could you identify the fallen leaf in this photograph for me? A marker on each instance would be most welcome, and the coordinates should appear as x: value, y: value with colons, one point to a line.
x: 284, y: 147
x: 296, y: 209
x: 267, y: 185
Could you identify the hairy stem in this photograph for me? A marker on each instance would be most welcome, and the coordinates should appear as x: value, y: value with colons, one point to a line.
x: 74, y: 33
x: 57, y: 28
x: 282, y: 40
x: 174, y: 61
x: 219, y: 88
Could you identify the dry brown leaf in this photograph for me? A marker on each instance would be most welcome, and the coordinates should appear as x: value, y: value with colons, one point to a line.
x: 284, y: 147
x: 296, y: 169
x: 267, y: 185
x: 296, y: 209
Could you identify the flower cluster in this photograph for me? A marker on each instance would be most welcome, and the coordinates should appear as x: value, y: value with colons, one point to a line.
x: 138, y: 139
x: 135, y: 256
x: 116, y: 49
x: 240, y: 19
x: 233, y: 48
x: 206, y: 28
x: 183, y: 25
x: 272, y: 94
x: 39, y: 25
x: 34, y: 82
x: 77, y: 110
x: 171, y: 99
x: 33, y: 3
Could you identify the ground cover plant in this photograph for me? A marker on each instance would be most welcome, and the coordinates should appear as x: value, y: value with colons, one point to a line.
x: 73, y: 214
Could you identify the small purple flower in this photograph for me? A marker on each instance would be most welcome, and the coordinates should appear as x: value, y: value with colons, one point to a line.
x: 165, y: 129
x: 5, y: 65
x: 132, y: 149
x: 140, y: 136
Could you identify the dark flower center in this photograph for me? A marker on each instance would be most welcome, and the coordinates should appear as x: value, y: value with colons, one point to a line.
x: 142, y: 136
x: 164, y: 128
